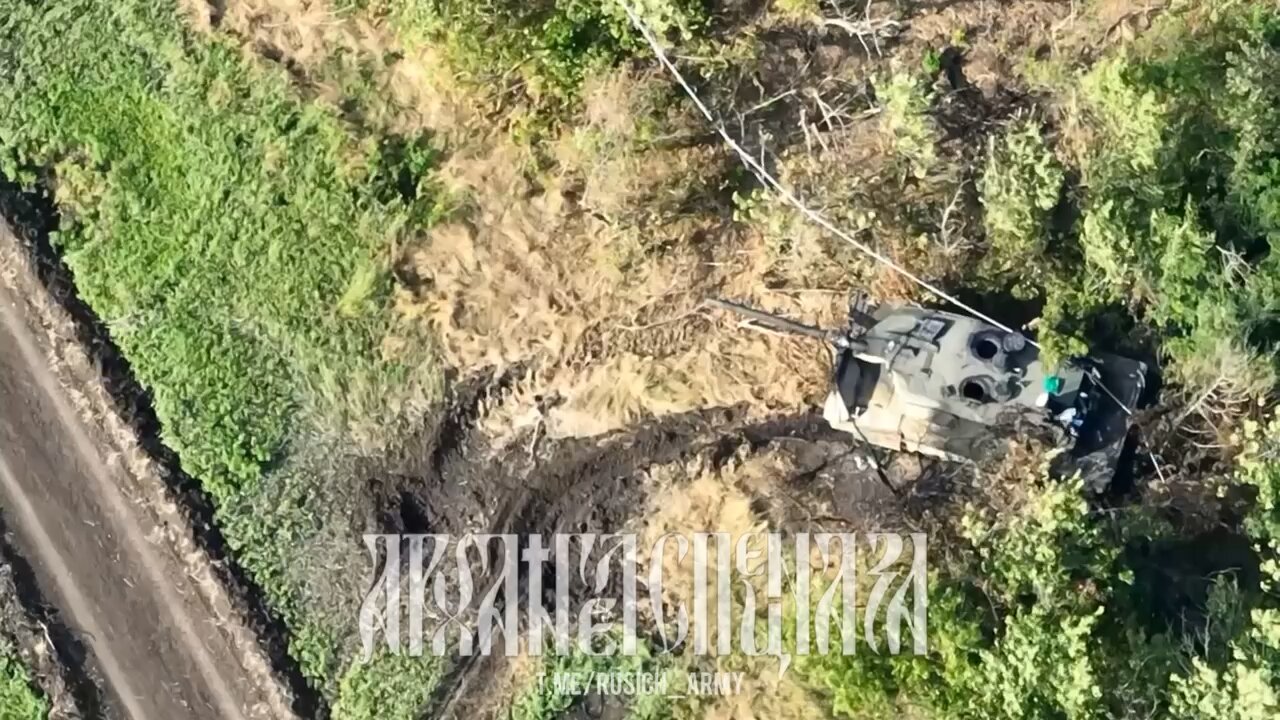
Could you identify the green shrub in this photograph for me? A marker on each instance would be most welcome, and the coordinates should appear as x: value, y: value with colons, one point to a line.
x: 388, y: 687
x: 1031, y: 622
x: 552, y: 44
x: 1259, y: 468
x: 1180, y: 183
x: 1020, y: 187
x: 1038, y: 614
x: 543, y: 700
x: 1246, y: 689
x: 1245, y: 684
x: 1131, y: 119
x: 905, y: 120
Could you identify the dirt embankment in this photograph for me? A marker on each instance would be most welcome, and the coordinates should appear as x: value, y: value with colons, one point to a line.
x: 97, y: 531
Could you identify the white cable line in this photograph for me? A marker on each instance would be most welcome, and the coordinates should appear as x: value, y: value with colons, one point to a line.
x: 763, y: 174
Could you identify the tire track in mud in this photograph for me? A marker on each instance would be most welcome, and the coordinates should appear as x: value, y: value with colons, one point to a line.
x: 546, y: 486
x: 156, y: 655
x: 45, y: 282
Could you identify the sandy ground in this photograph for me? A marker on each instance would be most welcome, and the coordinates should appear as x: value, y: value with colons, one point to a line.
x: 151, y: 636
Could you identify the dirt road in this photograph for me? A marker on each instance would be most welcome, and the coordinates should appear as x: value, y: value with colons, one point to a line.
x: 152, y: 639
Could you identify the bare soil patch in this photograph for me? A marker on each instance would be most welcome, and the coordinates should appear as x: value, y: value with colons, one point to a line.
x: 46, y: 645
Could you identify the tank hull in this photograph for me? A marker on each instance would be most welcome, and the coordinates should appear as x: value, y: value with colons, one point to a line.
x: 953, y: 387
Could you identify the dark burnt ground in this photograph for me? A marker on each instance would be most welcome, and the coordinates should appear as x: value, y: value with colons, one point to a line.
x: 33, y: 216
x: 446, y: 480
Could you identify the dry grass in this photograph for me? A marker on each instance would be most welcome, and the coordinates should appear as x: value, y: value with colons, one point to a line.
x: 630, y: 152
x: 410, y: 90
x: 588, y: 273
x: 603, y: 315
x: 516, y: 676
x: 764, y: 696
x: 697, y: 496
x: 559, y: 274
x: 306, y: 31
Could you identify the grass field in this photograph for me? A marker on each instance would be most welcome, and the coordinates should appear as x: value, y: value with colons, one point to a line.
x: 235, y: 239
x: 297, y: 218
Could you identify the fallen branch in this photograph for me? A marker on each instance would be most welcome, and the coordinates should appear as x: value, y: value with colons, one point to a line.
x: 879, y: 29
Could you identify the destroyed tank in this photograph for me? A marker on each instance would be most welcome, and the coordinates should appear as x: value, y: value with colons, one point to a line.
x: 952, y: 386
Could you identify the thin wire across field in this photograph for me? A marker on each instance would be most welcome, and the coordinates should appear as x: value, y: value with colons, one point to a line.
x: 812, y: 215
x: 786, y: 193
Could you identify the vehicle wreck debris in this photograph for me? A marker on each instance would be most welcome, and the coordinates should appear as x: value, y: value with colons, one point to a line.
x: 950, y: 386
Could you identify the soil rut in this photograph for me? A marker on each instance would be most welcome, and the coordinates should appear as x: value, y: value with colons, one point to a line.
x: 162, y: 653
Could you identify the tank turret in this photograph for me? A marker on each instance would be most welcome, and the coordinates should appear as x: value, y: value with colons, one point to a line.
x: 945, y: 385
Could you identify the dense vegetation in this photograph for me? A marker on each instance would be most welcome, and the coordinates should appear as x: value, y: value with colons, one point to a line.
x: 1057, y: 610
x: 234, y: 239
x: 550, y: 47
x: 1176, y: 192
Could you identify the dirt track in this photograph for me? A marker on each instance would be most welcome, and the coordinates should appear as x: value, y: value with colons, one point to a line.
x: 151, y: 638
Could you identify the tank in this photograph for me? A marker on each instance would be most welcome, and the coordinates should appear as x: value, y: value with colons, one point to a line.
x: 952, y: 386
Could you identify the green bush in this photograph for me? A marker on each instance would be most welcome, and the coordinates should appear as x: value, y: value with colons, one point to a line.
x: 551, y: 44
x: 542, y: 700
x: 388, y: 687
x: 1039, y: 613
x: 905, y: 120
x: 1020, y: 187
x: 1259, y: 468
x: 1031, y: 622
x: 1178, y: 199
x: 1245, y: 689
x: 1245, y: 684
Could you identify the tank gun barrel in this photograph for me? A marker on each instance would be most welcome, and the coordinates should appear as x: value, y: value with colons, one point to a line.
x: 776, y: 322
